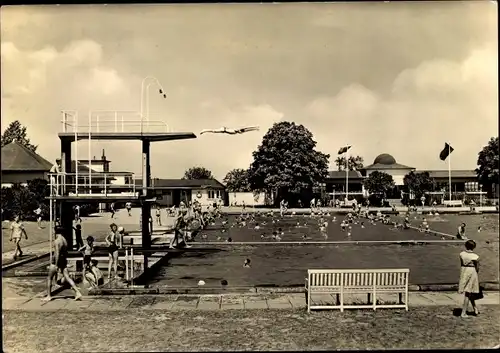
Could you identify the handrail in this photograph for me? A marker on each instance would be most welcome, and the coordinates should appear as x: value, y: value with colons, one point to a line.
x: 111, y: 121
x: 59, y: 184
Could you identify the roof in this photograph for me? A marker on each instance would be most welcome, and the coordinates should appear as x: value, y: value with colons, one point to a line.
x: 16, y: 157
x: 183, y: 183
x: 384, y: 158
x: 336, y: 174
x: 380, y: 166
x: 386, y: 161
x: 454, y: 174
x: 19, y: 177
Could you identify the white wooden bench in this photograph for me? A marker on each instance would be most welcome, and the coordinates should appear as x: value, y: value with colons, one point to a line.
x: 453, y: 203
x: 346, y: 282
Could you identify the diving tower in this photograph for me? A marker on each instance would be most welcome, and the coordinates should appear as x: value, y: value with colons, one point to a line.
x: 71, y: 186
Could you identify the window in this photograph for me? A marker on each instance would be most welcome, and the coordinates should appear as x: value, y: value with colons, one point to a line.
x: 471, y: 186
x: 213, y: 194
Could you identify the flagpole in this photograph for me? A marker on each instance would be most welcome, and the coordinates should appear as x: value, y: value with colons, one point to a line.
x: 346, y: 176
x: 449, y: 167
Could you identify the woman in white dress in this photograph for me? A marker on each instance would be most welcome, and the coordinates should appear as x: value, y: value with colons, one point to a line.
x: 469, y: 280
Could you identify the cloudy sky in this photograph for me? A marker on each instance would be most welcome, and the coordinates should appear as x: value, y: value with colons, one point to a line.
x: 398, y: 78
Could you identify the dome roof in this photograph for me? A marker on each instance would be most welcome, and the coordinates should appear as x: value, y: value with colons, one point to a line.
x: 384, y: 158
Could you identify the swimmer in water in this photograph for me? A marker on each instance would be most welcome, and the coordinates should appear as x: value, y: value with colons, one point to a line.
x: 246, y: 263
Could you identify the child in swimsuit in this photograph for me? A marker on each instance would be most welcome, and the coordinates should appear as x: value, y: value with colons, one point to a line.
x: 78, y: 235
x: 158, y: 216
x: 111, y: 241
x: 87, y: 249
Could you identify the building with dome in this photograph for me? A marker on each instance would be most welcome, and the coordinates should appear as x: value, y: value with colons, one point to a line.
x: 462, y: 181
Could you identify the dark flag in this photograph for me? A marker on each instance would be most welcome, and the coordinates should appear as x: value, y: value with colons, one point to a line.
x: 343, y: 150
x: 445, y: 152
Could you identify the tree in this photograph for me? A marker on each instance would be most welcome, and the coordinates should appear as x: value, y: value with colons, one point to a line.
x: 418, y: 183
x: 355, y: 163
x: 286, y: 162
x: 198, y: 173
x: 15, y: 131
x: 236, y: 180
x: 379, y: 183
x: 488, y: 165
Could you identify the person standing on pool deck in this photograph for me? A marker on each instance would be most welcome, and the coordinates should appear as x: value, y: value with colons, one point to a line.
x: 158, y: 215
x: 111, y: 241
x: 38, y: 213
x: 461, y: 232
x: 469, y: 279
x: 16, y: 232
x: 60, y: 263
x: 77, y: 213
x: 180, y: 229
x: 112, y: 207
x: 78, y: 235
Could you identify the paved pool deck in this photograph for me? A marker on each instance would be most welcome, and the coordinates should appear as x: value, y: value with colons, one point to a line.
x: 65, y: 301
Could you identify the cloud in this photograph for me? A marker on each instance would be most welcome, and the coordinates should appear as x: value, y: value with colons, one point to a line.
x: 437, y: 101
x: 38, y: 84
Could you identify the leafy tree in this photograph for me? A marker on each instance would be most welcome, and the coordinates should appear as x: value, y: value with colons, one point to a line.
x: 40, y: 189
x: 236, y: 180
x: 418, y: 183
x: 488, y: 165
x: 15, y: 131
x: 355, y: 163
x: 23, y: 200
x: 379, y: 183
x: 198, y: 173
x: 286, y: 162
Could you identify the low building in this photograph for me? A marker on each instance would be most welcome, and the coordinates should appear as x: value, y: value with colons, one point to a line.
x: 170, y: 192
x: 20, y: 165
x: 463, y: 182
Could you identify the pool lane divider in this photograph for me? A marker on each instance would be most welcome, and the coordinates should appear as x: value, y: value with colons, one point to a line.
x: 339, y: 242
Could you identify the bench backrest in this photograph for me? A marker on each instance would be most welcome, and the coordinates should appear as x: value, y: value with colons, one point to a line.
x: 354, y: 278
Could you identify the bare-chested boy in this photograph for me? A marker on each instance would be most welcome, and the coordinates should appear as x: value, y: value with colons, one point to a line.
x: 60, y: 263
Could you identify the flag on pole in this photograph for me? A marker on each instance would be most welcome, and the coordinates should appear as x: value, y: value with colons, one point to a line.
x: 343, y: 150
x: 445, y: 152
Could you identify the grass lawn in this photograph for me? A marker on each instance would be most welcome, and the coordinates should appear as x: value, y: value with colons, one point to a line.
x: 136, y: 330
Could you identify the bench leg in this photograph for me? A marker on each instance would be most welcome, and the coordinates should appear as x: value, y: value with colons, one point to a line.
x: 400, y: 298
x: 369, y: 298
x: 337, y: 297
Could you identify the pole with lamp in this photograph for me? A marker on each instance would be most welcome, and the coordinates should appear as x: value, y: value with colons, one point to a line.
x: 145, y: 89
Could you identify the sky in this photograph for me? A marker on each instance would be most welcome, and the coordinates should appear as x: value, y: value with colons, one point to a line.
x: 397, y: 78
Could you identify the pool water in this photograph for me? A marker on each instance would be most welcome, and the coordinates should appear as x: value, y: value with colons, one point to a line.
x: 287, y: 265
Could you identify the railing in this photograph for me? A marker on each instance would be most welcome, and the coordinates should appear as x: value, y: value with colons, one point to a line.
x: 80, y: 184
x: 112, y: 121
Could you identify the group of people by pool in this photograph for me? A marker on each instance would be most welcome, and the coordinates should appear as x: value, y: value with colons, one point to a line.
x: 190, y: 220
